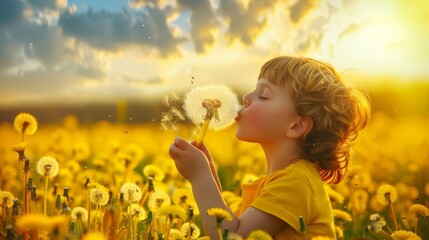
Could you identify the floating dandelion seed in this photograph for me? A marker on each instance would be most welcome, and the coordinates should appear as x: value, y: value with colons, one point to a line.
x: 211, y: 101
x: 170, y: 119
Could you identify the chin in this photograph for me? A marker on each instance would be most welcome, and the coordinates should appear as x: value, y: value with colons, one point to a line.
x: 245, y: 138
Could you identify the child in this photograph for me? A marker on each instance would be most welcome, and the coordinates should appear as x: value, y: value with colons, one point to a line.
x: 305, y: 120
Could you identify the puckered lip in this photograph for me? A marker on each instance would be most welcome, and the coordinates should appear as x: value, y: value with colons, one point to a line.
x: 237, y: 118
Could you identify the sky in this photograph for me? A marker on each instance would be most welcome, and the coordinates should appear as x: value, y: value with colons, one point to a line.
x: 82, y: 51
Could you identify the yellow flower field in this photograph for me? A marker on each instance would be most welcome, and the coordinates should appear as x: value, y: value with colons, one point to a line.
x: 116, y: 181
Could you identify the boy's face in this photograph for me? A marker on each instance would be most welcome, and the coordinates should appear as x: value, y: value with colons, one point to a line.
x: 266, y: 115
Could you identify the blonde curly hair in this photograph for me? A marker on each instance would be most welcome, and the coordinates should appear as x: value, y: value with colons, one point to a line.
x: 338, y: 112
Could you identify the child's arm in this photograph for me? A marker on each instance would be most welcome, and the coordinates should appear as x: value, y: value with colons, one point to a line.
x: 194, y: 166
x: 206, y: 152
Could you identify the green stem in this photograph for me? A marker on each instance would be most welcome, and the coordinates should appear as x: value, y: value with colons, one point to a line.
x: 46, y: 196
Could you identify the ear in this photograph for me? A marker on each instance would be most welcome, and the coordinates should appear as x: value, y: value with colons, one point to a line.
x: 300, y: 128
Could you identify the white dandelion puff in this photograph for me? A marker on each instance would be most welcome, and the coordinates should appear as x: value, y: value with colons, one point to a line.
x: 202, y: 99
x: 47, y: 166
x: 132, y: 192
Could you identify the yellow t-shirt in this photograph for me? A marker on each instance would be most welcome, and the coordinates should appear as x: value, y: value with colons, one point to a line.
x: 289, y: 193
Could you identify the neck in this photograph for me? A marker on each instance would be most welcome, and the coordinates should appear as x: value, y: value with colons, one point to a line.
x: 279, y: 155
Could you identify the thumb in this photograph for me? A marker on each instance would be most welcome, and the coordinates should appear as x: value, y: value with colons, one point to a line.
x: 203, y: 148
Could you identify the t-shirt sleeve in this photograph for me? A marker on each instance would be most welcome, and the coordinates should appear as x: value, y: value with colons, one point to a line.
x: 286, y: 196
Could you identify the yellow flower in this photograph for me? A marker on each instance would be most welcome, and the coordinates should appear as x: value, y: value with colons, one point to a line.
x: 416, y: 211
x: 220, y: 214
x: 132, y: 192
x: 182, y: 196
x: 94, y: 236
x: 79, y: 214
x: 39, y: 221
x: 386, y: 193
x: 195, y: 230
x: 173, y: 210
x: 20, y: 147
x: 321, y: 238
x: 334, y: 196
x: 226, y: 109
x: 47, y: 166
x: 175, y: 234
x: 259, y: 235
x: 404, y: 235
x: 6, y: 199
x: 99, y: 196
x: 8, y: 172
x: 81, y: 150
x: 25, y: 123
x: 341, y: 215
x: 154, y: 172
x: 158, y: 199
x: 248, y: 178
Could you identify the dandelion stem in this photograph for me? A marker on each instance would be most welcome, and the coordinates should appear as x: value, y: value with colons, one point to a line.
x: 203, y: 132
x: 415, y: 227
x: 130, y: 224
x: 189, y: 233
x: 46, y: 195
x: 392, y: 211
x: 80, y: 227
x: 24, y: 182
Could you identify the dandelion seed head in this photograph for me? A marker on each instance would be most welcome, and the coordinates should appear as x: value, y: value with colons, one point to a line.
x: 182, y: 196
x: 154, y: 172
x: 196, y: 232
x: 157, y: 200
x: 137, y: 211
x: 6, y: 199
x: 385, y: 193
x: 132, y: 192
x: 47, y: 166
x: 221, y: 97
x: 173, y: 211
x: 79, y: 214
x: 25, y: 123
x: 99, y: 196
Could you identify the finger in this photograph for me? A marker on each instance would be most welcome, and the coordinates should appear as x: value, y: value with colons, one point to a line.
x: 173, y: 151
x: 181, y: 143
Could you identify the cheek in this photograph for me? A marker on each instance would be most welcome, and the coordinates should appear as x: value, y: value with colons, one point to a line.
x: 255, y: 124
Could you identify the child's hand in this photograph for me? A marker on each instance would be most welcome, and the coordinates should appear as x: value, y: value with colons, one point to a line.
x: 190, y: 161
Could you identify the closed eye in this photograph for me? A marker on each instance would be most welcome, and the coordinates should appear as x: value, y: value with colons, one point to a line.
x: 262, y: 98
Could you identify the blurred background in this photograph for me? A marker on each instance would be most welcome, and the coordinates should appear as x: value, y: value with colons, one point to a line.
x: 90, y: 58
